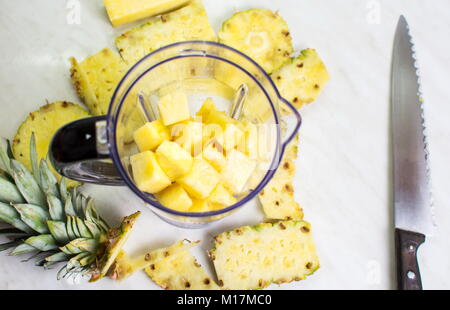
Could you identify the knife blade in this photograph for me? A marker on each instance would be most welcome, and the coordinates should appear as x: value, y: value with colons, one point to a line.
x: 412, y: 201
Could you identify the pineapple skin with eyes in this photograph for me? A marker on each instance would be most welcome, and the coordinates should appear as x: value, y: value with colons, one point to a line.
x: 253, y: 257
x: 147, y: 174
x: 122, y: 12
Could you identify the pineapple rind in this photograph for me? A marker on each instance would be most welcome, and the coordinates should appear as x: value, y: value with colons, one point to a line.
x: 268, y: 28
x: 187, y: 23
x: 277, y: 197
x: 302, y: 80
x: 44, y: 123
x: 180, y: 271
x: 96, y: 78
x: 252, y: 257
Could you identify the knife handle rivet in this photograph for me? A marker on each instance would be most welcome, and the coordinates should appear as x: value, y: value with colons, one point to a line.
x: 411, y: 248
x: 411, y: 275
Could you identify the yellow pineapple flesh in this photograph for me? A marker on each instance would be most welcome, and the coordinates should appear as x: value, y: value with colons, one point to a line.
x: 173, y: 159
x: 252, y: 257
x: 174, y: 108
x: 44, y: 123
x: 96, y: 79
x: 237, y: 171
x: 187, y: 23
x: 175, y: 198
x: 201, y: 180
x: 151, y: 135
x: 147, y: 174
x: 122, y: 12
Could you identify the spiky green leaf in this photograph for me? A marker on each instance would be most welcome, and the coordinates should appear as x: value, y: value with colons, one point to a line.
x: 8, y: 245
x: 57, y: 257
x: 34, y: 159
x: 27, y: 185
x: 5, y: 156
x: 34, y: 216
x: 55, y: 208
x: 80, y: 245
x: 48, y: 180
x: 9, y: 214
x: 23, y: 249
x: 42, y: 242
x: 9, y: 192
x: 68, y: 208
x: 63, y: 192
x: 93, y: 228
x: 75, y: 230
x: 58, y: 231
x: 69, y: 229
x: 82, y: 228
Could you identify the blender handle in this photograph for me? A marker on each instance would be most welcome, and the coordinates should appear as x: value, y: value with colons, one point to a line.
x: 293, y: 123
x: 79, y: 151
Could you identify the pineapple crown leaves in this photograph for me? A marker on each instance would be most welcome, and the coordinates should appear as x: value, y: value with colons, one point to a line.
x: 45, y: 218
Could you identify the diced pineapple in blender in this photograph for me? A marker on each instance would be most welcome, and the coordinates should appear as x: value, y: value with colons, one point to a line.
x: 173, y: 159
x: 220, y: 118
x: 213, y: 154
x: 122, y: 12
x: 201, y: 180
x: 175, y: 198
x: 233, y: 136
x: 200, y: 205
x: 237, y: 171
x: 249, y: 145
x: 221, y: 198
x: 189, y: 136
x: 213, y: 132
x: 147, y: 174
x: 206, y: 108
x: 174, y: 108
x: 151, y: 135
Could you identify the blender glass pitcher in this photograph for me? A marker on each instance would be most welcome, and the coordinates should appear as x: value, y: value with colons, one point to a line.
x: 98, y: 149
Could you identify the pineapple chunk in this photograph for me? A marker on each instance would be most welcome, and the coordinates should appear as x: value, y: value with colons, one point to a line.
x: 249, y: 144
x: 302, y: 80
x: 253, y: 257
x: 147, y: 174
x: 189, y: 135
x: 96, y: 78
x: 175, y: 198
x: 206, y: 108
x: 237, y: 171
x: 173, y: 159
x: 221, y: 198
x: 122, y: 12
x: 174, y: 108
x: 219, y: 118
x: 180, y: 271
x: 261, y: 34
x: 213, y: 132
x: 277, y: 197
x: 187, y: 23
x: 199, y: 206
x: 233, y: 136
x: 213, y: 154
x: 151, y: 135
x: 201, y: 180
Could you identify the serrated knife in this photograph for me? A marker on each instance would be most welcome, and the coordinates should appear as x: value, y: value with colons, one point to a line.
x: 412, y: 201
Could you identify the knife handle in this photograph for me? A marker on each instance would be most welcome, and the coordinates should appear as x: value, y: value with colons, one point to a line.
x: 408, y: 273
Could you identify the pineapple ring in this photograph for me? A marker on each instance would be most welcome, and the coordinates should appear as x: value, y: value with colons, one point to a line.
x: 44, y: 123
x: 261, y: 34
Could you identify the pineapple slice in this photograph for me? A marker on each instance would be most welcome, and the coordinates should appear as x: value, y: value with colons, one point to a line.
x: 147, y: 174
x: 199, y: 206
x: 44, y: 123
x: 187, y: 23
x: 151, y: 135
x: 96, y: 78
x: 261, y: 34
x: 189, y: 135
x: 201, y: 180
x: 175, y: 197
x: 221, y: 198
x: 277, y: 197
x: 302, y: 80
x: 237, y: 171
x: 253, y: 257
x: 180, y: 271
x: 122, y: 12
x: 173, y: 159
x: 174, y: 108
x: 213, y: 154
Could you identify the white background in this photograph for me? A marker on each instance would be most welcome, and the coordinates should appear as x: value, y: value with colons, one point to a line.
x: 343, y: 180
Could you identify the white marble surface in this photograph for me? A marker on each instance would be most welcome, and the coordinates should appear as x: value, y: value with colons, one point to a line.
x: 343, y: 179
